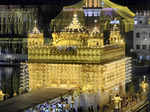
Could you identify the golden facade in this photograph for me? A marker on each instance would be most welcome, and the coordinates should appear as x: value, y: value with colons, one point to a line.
x: 73, y: 45
x: 75, y: 59
x: 54, y: 54
x: 88, y: 77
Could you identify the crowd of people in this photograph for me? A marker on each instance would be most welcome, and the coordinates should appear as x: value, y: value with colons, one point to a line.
x: 67, y: 105
x: 131, y: 101
x: 61, y: 105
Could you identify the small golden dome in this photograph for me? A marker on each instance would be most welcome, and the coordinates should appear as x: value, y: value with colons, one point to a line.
x: 35, y: 29
x: 75, y: 25
x: 95, y: 31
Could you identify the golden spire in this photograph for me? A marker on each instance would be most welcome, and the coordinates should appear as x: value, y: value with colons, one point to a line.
x: 35, y: 29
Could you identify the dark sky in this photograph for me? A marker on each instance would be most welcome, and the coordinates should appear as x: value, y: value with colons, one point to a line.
x: 38, y: 2
x: 134, y: 4
x: 130, y: 3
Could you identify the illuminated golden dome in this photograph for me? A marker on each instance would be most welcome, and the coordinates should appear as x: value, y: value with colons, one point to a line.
x: 115, y: 36
x: 96, y: 38
x: 95, y: 31
x: 35, y: 32
x: 36, y: 38
x: 75, y: 26
x: 73, y: 35
x: 35, y: 29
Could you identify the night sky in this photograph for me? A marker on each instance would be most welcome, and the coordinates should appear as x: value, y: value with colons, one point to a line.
x: 38, y: 2
x: 136, y: 4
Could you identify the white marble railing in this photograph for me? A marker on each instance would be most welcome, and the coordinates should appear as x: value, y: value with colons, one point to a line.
x: 8, y: 57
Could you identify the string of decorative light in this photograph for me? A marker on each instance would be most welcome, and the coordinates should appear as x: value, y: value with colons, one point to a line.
x: 75, y: 25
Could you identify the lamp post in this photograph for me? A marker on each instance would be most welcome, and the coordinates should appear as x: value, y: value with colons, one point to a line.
x: 15, y: 94
x: 144, y: 84
x: 117, y: 103
x: 72, y: 102
x: 1, y: 95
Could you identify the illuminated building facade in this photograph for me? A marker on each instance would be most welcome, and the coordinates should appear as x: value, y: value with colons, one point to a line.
x: 141, y: 41
x: 92, y: 3
x: 76, y: 59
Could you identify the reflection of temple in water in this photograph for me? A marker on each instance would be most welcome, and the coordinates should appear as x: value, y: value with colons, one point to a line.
x: 16, y: 22
x: 9, y: 79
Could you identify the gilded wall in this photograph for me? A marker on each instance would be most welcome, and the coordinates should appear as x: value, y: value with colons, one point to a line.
x: 88, y: 77
x: 75, y: 55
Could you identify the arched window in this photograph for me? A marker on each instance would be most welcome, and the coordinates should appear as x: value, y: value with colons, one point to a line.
x: 144, y: 46
x: 137, y: 46
x: 137, y: 35
x: 97, y: 44
x: 140, y: 22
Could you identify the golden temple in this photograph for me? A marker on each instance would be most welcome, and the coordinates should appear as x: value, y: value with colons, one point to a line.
x: 77, y: 58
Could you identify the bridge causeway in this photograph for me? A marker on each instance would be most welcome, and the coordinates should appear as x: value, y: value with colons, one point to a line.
x: 31, y: 99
